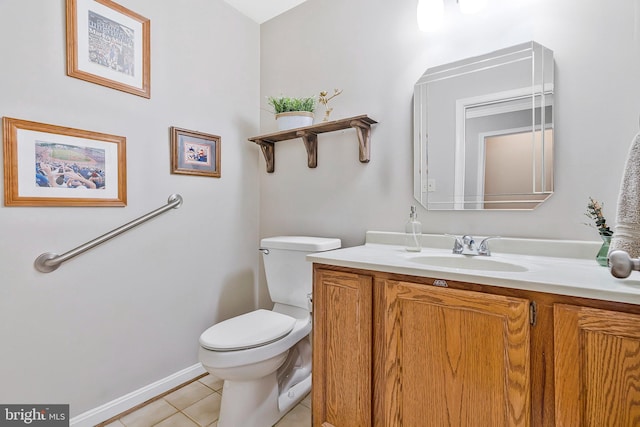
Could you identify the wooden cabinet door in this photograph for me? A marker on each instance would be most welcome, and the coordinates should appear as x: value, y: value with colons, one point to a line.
x: 452, y: 357
x: 597, y: 367
x: 342, y: 331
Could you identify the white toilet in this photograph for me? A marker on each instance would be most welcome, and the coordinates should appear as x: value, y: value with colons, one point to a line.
x: 264, y: 357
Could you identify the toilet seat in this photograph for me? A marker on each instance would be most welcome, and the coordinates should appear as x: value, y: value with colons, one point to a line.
x: 254, y: 329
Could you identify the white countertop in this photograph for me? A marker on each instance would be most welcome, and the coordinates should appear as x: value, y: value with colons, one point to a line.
x: 571, y: 270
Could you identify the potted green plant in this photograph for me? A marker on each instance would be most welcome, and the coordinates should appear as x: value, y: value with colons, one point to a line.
x: 292, y: 112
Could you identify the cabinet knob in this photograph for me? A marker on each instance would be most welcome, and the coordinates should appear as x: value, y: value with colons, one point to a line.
x: 621, y: 264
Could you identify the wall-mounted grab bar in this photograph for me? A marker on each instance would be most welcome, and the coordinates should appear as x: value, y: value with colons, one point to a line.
x: 48, y: 262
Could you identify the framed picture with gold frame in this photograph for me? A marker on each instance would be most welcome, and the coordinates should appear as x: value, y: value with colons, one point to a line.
x: 109, y: 45
x: 48, y: 165
x: 195, y: 153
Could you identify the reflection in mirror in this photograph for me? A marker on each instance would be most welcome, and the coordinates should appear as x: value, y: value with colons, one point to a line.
x: 483, y: 131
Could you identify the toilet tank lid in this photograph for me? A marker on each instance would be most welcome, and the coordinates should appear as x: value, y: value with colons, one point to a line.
x: 301, y: 243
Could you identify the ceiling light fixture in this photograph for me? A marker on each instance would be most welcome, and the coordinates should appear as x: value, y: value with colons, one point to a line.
x: 430, y: 14
x: 471, y: 6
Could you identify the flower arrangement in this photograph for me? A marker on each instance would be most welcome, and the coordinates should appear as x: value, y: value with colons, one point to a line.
x: 324, y: 99
x: 285, y: 104
x: 594, y: 211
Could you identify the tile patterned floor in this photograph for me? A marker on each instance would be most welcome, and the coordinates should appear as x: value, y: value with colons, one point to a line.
x: 197, y: 404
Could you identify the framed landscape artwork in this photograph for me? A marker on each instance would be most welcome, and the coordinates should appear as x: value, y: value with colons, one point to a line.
x: 109, y: 45
x: 48, y: 165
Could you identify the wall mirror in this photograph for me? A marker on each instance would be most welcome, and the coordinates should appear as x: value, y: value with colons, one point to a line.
x: 483, y: 131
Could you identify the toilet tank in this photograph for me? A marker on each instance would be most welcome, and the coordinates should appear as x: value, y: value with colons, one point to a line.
x: 288, y: 273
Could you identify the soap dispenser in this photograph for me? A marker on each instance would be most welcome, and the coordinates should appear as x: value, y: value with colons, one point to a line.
x: 413, y: 232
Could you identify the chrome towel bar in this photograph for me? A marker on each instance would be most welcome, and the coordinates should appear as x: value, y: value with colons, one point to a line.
x: 48, y: 262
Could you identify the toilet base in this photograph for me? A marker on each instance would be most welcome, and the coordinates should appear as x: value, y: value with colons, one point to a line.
x: 261, y: 396
x: 294, y: 395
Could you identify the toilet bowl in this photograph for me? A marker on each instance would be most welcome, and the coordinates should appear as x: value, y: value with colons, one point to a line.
x: 264, y: 356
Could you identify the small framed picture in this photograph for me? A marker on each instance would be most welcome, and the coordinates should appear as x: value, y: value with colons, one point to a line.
x: 195, y: 153
x: 47, y: 165
x: 109, y: 45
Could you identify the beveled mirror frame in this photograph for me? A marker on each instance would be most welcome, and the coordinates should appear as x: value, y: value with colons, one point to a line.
x: 510, y: 89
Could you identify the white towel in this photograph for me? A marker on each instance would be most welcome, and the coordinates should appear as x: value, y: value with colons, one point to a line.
x: 626, y: 235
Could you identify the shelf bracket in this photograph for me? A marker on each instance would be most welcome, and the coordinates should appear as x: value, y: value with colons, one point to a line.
x: 269, y: 152
x: 310, y: 140
x: 364, y: 139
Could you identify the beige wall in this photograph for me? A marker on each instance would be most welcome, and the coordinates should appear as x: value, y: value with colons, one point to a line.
x: 129, y: 313
x: 373, y: 50
x: 509, y: 164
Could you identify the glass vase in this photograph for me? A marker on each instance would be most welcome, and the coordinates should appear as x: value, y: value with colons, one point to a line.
x: 602, y: 256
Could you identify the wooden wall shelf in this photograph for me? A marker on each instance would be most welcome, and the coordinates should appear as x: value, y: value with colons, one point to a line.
x: 309, y: 134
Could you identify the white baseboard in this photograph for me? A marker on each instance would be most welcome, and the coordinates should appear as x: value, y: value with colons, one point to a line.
x: 128, y: 401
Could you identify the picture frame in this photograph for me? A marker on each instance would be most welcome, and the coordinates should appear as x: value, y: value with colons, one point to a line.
x: 49, y: 165
x: 195, y: 153
x: 109, y: 45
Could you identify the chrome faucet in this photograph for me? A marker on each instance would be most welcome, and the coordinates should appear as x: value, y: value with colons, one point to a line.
x: 466, y: 245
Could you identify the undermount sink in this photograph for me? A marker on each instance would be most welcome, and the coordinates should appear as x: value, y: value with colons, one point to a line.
x: 468, y: 263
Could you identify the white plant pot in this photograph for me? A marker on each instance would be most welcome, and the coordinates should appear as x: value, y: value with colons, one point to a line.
x: 294, y: 119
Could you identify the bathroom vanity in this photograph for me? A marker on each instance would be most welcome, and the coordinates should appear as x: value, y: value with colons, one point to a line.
x: 537, y: 334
